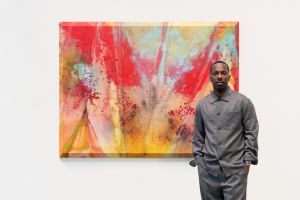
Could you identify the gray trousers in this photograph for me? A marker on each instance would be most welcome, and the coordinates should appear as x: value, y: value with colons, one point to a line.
x: 223, y: 188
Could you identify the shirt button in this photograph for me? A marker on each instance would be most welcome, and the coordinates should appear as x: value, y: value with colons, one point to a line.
x: 219, y: 128
x: 218, y: 114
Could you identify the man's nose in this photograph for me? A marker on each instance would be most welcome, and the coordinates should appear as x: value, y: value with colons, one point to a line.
x: 219, y: 76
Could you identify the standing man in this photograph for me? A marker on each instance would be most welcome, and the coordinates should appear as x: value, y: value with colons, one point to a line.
x: 225, y: 139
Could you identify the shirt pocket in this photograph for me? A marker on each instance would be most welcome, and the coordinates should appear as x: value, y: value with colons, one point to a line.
x: 232, y: 119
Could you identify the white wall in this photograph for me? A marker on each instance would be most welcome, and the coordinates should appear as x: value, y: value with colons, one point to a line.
x: 29, y: 165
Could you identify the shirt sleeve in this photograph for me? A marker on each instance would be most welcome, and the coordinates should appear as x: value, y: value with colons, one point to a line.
x: 250, y: 130
x: 199, y: 134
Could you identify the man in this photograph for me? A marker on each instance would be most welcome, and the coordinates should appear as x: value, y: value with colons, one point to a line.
x: 225, y: 139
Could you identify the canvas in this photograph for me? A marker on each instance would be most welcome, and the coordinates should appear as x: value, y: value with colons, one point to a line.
x: 130, y: 89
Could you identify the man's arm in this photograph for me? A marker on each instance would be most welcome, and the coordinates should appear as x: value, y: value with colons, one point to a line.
x: 199, y: 134
x: 250, y: 130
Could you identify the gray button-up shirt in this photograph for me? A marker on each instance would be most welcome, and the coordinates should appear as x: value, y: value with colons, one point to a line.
x: 226, y: 131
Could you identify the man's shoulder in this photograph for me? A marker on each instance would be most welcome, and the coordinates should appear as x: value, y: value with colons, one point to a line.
x: 203, y: 100
x: 240, y: 96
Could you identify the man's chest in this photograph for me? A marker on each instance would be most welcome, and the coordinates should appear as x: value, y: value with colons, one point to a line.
x: 222, y: 115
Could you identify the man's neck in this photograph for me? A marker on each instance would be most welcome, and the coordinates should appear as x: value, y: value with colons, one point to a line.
x: 220, y: 93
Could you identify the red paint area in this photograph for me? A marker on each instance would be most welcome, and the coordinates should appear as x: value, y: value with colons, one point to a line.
x: 192, y: 82
x: 83, y: 93
x: 106, y: 53
x: 182, y: 111
x: 176, y: 117
x: 235, y: 65
x: 117, y: 58
x: 235, y: 71
x: 84, y: 37
x: 235, y: 74
x: 129, y: 73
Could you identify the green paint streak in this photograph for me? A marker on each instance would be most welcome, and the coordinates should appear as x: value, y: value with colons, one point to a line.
x: 69, y: 145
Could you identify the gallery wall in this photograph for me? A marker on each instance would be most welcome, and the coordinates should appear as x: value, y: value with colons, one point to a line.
x: 30, y: 165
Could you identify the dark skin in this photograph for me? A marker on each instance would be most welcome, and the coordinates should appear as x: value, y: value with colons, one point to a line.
x: 219, y: 76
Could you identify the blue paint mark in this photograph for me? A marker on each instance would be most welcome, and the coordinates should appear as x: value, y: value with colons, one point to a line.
x: 230, y: 41
x: 193, y: 52
x: 227, y: 41
x: 175, y: 35
x: 170, y: 81
x: 153, y: 35
x: 212, y: 50
x: 183, y: 67
x: 186, y: 68
x: 84, y: 73
x: 221, y: 46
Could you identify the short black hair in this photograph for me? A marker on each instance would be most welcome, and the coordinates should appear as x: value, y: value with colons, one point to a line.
x: 219, y: 61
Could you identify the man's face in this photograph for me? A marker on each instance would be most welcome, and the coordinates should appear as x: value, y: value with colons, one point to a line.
x: 219, y: 76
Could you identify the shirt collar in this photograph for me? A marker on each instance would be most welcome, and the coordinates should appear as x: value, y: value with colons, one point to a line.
x: 225, y: 97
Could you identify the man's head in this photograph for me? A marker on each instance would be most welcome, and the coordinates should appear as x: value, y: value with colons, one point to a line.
x: 219, y: 75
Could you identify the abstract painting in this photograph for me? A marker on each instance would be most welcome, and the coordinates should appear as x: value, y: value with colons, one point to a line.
x: 130, y: 89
